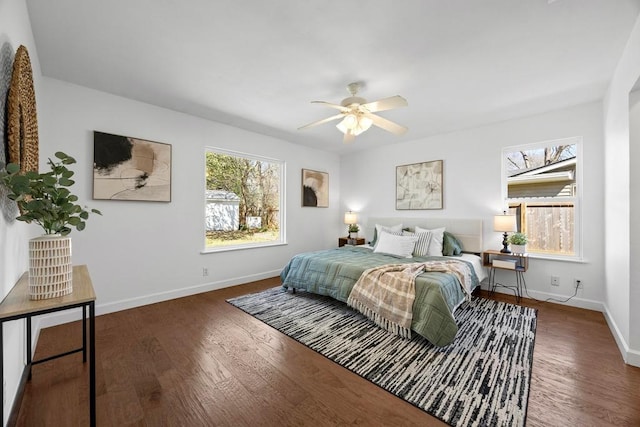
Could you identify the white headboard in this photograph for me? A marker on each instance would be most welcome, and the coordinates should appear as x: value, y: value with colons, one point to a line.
x: 467, y: 231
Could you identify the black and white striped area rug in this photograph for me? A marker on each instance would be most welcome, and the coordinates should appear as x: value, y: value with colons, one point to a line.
x: 481, y: 379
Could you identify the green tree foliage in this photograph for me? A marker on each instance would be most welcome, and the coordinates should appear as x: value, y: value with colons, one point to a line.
x: 256, y: 183
x: 224, y: 173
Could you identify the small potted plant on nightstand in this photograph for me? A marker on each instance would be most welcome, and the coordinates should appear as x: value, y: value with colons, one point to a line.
x: 518, y: 243
x: 353, y: 231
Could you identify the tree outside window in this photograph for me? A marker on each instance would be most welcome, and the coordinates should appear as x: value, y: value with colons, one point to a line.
x: 243, y: 200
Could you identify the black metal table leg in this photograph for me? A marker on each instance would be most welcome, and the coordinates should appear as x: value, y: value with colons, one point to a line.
x: 84, y: 334
x: 28, y: 318
x: 92, y: 362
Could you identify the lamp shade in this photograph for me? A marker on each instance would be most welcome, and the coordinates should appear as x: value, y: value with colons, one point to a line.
x: 364, y: 123
x: 350, y: 218
x: 349, y: 122
x: 504, y: 223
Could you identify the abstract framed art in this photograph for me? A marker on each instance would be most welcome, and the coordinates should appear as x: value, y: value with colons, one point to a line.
x: 419, y: 186
x: 126, y: 168
x: 315, y: 188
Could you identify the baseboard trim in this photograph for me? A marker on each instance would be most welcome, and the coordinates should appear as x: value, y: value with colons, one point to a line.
x: 17, y: 401
x: 557, y: 299
x: 112, y: 307
x: 630, y: 357
x: 633, y: 358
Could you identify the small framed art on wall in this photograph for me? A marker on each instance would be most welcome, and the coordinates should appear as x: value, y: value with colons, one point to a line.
x: 315, y: 188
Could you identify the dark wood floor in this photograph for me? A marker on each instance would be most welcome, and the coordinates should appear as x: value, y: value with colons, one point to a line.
x: 198, y: 361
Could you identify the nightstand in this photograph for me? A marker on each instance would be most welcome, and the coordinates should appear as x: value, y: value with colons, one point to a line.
x: 348, y: 241
x: 518, y: 263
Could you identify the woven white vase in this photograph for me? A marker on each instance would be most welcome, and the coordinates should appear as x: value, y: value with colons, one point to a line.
x: 50, y: 269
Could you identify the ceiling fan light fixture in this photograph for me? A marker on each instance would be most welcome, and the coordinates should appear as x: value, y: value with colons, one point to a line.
x: 356, y: 124
x: 364, y: 123
x: 342, y: 128
x: 349, y: 122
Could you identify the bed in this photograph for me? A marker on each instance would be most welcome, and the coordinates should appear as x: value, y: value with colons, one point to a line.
x: 334, y: 272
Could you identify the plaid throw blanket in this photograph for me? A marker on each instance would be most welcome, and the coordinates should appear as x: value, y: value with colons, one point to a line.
x: 460, y: 269
x: 386, y: 294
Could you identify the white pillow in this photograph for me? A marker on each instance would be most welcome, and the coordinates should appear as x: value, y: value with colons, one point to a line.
x: 422, y: 245
x: 435, y: 244
x: 394, y: 229
x: 400, y: 246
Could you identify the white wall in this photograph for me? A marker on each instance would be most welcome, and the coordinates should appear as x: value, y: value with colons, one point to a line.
x: 634, y: 177
x: 140, y: 252
x: 472, y: 188
x: 622, y: 296
x: 15, y: 30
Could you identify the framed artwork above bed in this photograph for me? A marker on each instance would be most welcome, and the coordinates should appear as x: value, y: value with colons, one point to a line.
x: 419, y: 186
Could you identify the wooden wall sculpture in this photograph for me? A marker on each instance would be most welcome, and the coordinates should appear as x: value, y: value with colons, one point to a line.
x: 22, y: 121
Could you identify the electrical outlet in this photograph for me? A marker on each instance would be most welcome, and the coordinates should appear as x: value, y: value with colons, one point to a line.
x: 205, y: 271
x: 578, y: 283
x: 555, y: 281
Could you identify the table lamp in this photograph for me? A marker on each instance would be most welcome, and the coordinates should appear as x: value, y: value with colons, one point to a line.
x: 350, y: 218
x: 506, y: 224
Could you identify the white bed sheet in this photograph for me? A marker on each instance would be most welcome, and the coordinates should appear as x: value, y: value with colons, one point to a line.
x: 476, y: 262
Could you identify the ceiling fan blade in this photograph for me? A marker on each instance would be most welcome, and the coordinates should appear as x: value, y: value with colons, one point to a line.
x: 386, y: 124
x: 348, y: 137
x: 336, y: 106
x: 319, y: 122
x: 386, y: 104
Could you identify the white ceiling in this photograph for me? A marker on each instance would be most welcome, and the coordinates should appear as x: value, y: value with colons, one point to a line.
x: 257, y: 64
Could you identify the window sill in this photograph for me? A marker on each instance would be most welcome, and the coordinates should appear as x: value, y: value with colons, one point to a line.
x: 240, y: 247
x: 577, y: 260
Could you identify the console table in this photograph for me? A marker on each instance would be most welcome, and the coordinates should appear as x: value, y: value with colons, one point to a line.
x: 17, y: 305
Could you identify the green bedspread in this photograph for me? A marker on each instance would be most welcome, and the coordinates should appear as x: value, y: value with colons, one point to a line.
x: 333, y: 272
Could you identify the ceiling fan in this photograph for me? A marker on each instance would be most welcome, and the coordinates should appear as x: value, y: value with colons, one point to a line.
x: 357, y: 114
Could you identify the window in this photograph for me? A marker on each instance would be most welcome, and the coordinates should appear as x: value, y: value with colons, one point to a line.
x: 542, y: 187
x: 243, y: 200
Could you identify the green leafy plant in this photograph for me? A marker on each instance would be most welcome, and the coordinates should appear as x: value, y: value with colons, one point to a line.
x: 353, y: 228
x: 44, y: 198
x: 518, y: 239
